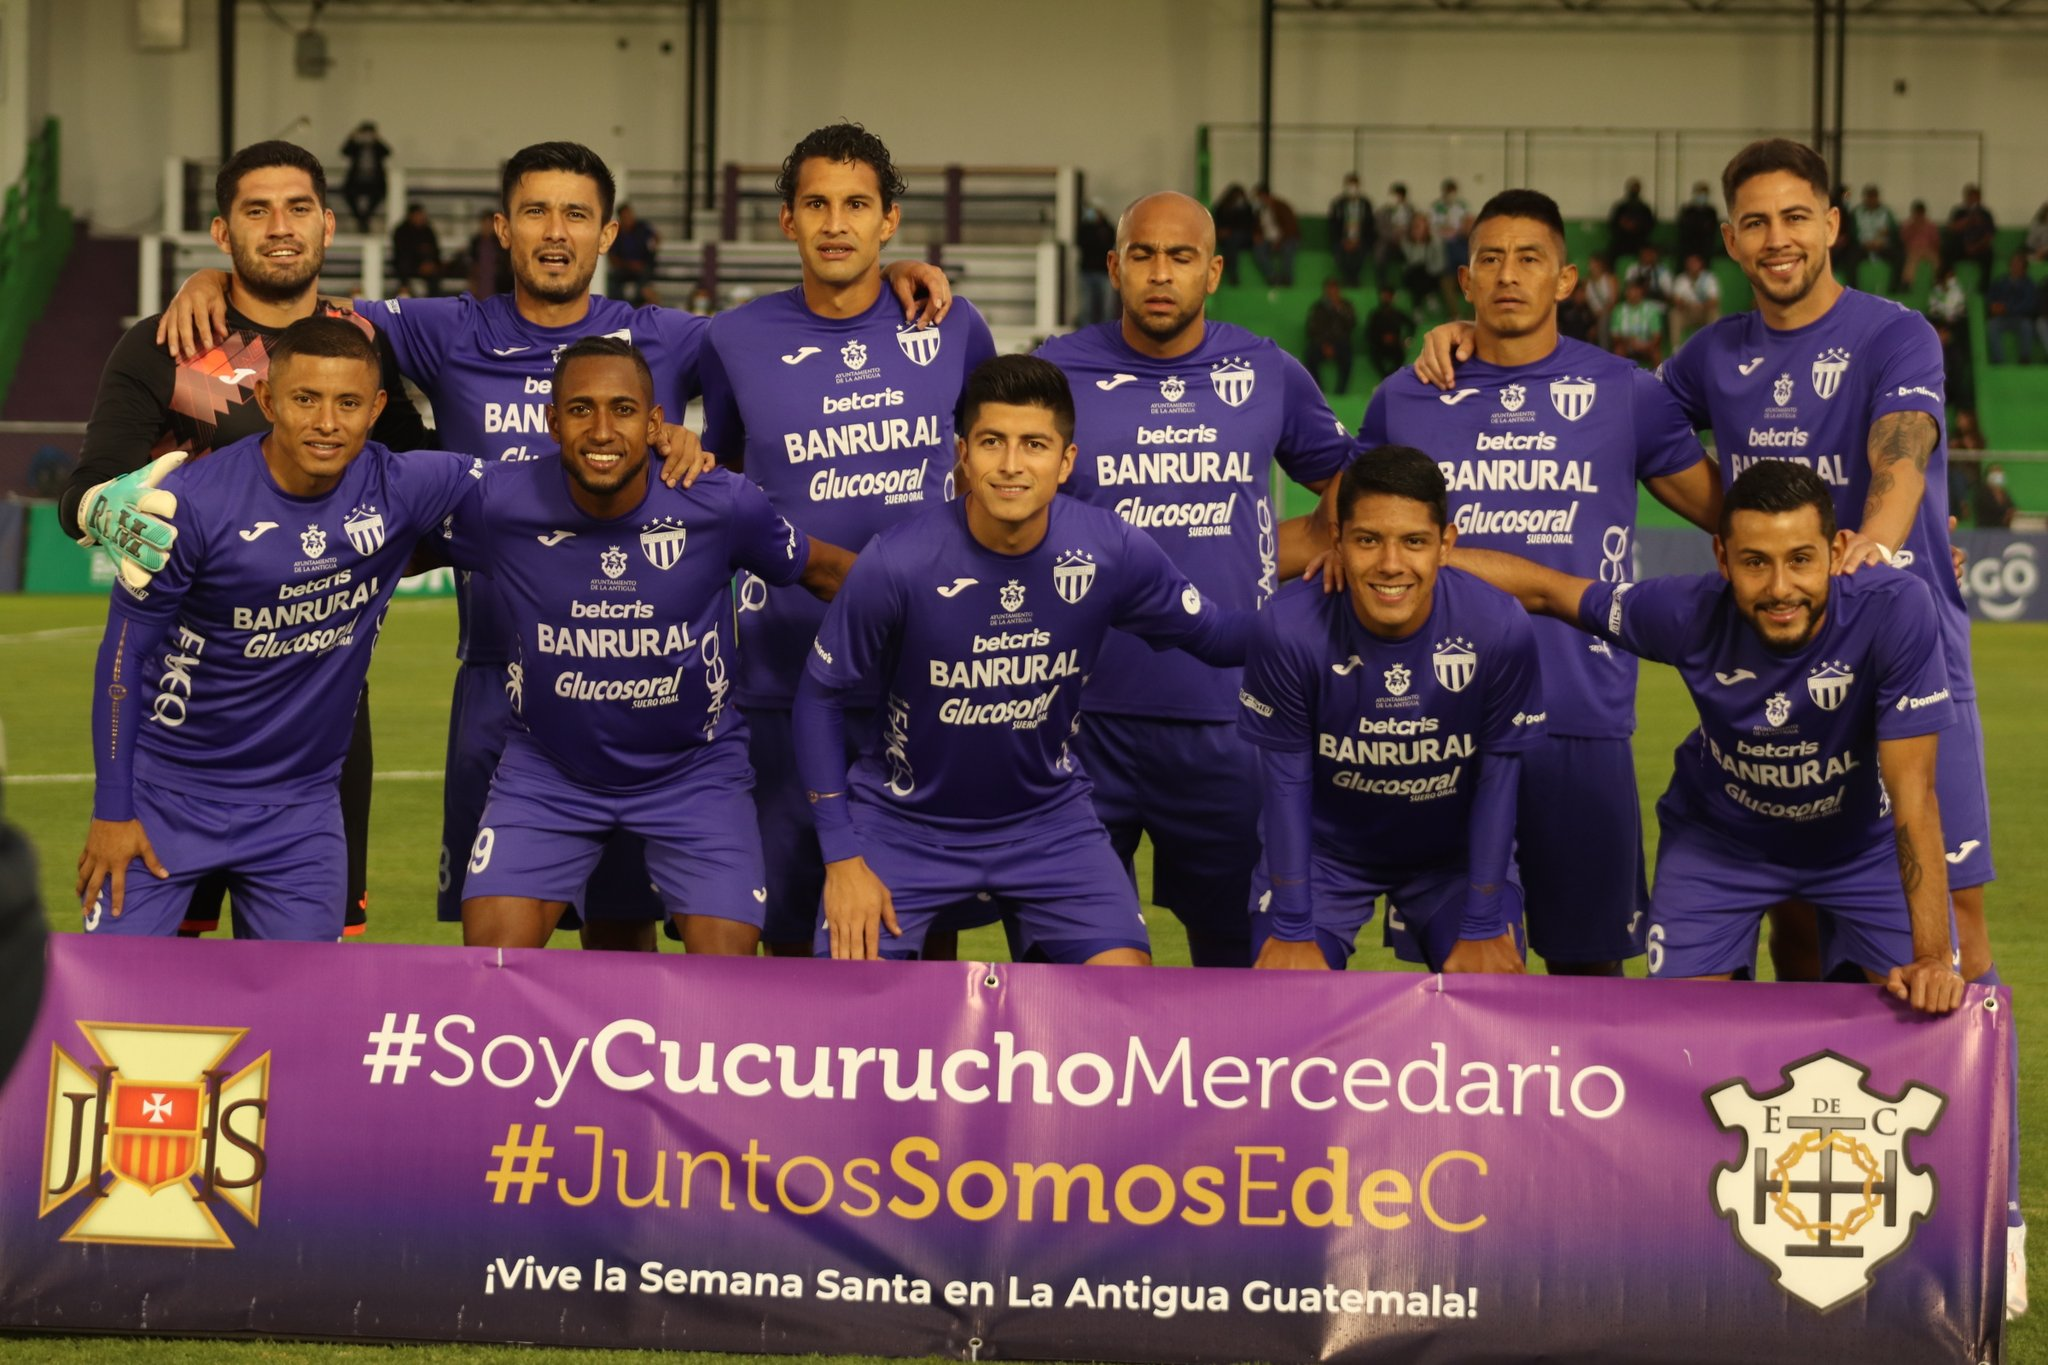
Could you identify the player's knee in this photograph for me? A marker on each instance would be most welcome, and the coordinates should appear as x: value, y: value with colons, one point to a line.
x: 507, y: 922
x: 1119, y: 957
x: 719, y: 937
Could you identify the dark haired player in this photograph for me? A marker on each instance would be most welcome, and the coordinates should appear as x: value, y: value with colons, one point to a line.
x: 1180, y: 421
x: 1390, y: 721
x: 620, y: 591
x: 225, y: 690
x: 1811, y: 775
x: 274, y: 225
x: 1543, y: 444
x: 979, y: 619
x: 844, y: 414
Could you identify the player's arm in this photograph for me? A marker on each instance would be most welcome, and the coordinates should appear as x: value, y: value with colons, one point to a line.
x: 1693, y: 493
x: 1900, y: 445
x: 1304, y: 543
x: 908, y: 279
x: 825, y: 569
x: 1486, y: 941
x: 1156, y: 603
x: 1929, y: 982
x: 197, y: 315
x: 1445, y: 347
x: 1286, y: 779
x: 1542, y: 591
x: 100, y: 504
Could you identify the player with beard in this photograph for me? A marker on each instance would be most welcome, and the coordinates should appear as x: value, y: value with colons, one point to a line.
x: 274, y: 225
x: 486, y: 367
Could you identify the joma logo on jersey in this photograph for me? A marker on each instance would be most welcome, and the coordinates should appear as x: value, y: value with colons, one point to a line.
x: 1572, y: 397
x: 1829, y: 685
x: 661, y: 540
x: 156, y: 1134
x: 365, y: 529
x: 1824, y: 1194
x: 1828, y: 368
x: 1455, y: 664
x: 919, y: 344
x: 1233, y: 381
x: 1072, y: 575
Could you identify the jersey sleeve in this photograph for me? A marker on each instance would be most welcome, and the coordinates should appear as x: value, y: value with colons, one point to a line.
x: 1665, y: 443
x: 466, y: 531
x: 1514, y: 697
x: 860, y: 625
x: 1680, y: 377
x: 439, y: 484
x: 420, y: 332
x: 1313, y: 444
x: 682, y: 340
x: 1910, y: 377
x: 1372, y: 431
x: 981, y: 346
x: 1274, y: 697
x: 1650, y: 619
x: 1157, y: 603
x: 725, y: 430
x: 128, y: 418
x: 1912, y: 679
x: 763, y: 541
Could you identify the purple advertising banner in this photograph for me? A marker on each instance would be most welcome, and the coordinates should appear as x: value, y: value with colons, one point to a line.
x: 999, y: 1162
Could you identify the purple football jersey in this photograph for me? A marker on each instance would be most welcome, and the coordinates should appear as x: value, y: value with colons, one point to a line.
x: 623, y: 626
x: 1543, y: 461
x: 1785, y: 757
x: 847, y: 423
x: 1184, y: 449
x: 1810, y: 395
x: 266, y: 614
x: 488, y: 371
x: 1397, y: 726
x: 980, y: 658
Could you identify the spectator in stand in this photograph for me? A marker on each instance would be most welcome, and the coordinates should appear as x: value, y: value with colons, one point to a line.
x: 1876, y: 231
x: 1921, y: 238
x: 1638, y: 326
x: 1965, y: 435
x: 632, y: 255
x: 1695, y: 299
x: 1422, y: 268
x: 1630, y: 222
x: 1995, y: 507
x: 1237, y: 227
x: 1277, y: 239
x: 1094, y: 243
x: 1948, y: 308
x: 1965, y: 465
x: 1603, y: 291
x: 490, y: 269
x: 1393, y: 220
x: 2037, y: 235
x: 1575, y: 316
x: 2011, y: 304
x: 1648, y: 269
x: 1331, y: 321
x: 1699, y: 225
x: 701, y: 303
x: 416, y: 254
x: 1388, y: 331
x: 1353, y: 233
x: 366, y: 184
x: 1971, y: 232
x: 1451, y: 219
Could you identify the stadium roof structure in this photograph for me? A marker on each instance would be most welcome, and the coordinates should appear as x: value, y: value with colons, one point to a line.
x: 1980, y: 15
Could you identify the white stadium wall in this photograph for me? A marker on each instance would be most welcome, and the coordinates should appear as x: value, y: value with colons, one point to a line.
x: 1115, y: 88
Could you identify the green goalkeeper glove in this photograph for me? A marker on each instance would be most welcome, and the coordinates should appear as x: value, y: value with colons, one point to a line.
x: 131, y: 517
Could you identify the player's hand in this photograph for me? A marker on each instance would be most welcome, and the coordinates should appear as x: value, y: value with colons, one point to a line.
x: 197, y: 317
x: 683, y: 456
x: 1444, y: 347
x: 1928, y: 984
x: 907, y: 278
x: 110, y: 845
x: 1492, y: 955
x: 1955, y: 552
x: 1859, y: 550
x: 1279, y: 955
x: 131, y: 516
x: 857, y: 909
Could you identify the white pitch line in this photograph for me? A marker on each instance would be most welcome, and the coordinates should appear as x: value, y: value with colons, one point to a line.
x: 58, y: 779
x: 54, y: 633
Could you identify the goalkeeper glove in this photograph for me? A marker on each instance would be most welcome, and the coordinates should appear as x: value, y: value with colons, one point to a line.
x: 130, y: 516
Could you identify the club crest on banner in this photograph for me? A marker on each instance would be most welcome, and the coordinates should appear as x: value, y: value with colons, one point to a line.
x: 613, y: 562
x: 313, y: 542
x: 157, y: 1133
x: 1232, y: 380
x: 1455, y: 664
x: 1824, y: 1193
x: 1072, y: 575
x: 1572, y: 397
x: 919, y: 344
x: 1828, y: 369
x: 1829, y: 685
x: 853, y: 354
x: 661, y: 540
x: 365, y: 528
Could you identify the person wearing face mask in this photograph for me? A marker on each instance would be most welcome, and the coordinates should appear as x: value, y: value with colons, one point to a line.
x: 1994, y: 500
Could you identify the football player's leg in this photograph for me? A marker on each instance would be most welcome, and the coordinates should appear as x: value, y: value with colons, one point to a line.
x: 357, y: 770
x: 788, y: 838
x: 1432, y: 904
x: 479, y: 718
x: 1203, y: 815
x: 703, y: 847
x: 290, y: 887
x: 1959, y: 788
x: 1343, y: 899
x: 621, y: 911
x: 1579, y: 845
x: 534, y: 851
x: 193, y: 842
x: 1795, y: 939
x: 1075, y: 907
x: 924, y: 876
x: 1109, y: 755
x: 1709, y: 901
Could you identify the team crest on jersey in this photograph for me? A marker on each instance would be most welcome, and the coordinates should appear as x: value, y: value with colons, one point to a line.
x: 1572, y: 397
x: 1455, y: 664
x: 1828, y: 369
x: 661, y: 540
x: 1073, y: 573
x: 1824, y: 1193
x: 157, y: 1133
x: 1829, y: 685
x: 1778, y: 709
x: 1232, y: 380
x: 1012, y: 596
x: 1173, y: 388
x: 365, y: 528
x: 1513, y: 396
x: 613, y: 562
x: 919, y: 344
x: 1781, y: 388
x: 313, y: 542
x: 853, y: 354
x: 1397, y: 679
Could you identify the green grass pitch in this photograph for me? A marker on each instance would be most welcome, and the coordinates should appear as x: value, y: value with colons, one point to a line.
x: 46, y: 654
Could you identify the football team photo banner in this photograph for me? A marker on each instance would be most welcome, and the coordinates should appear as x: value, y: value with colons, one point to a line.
x: 998, y: 1162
